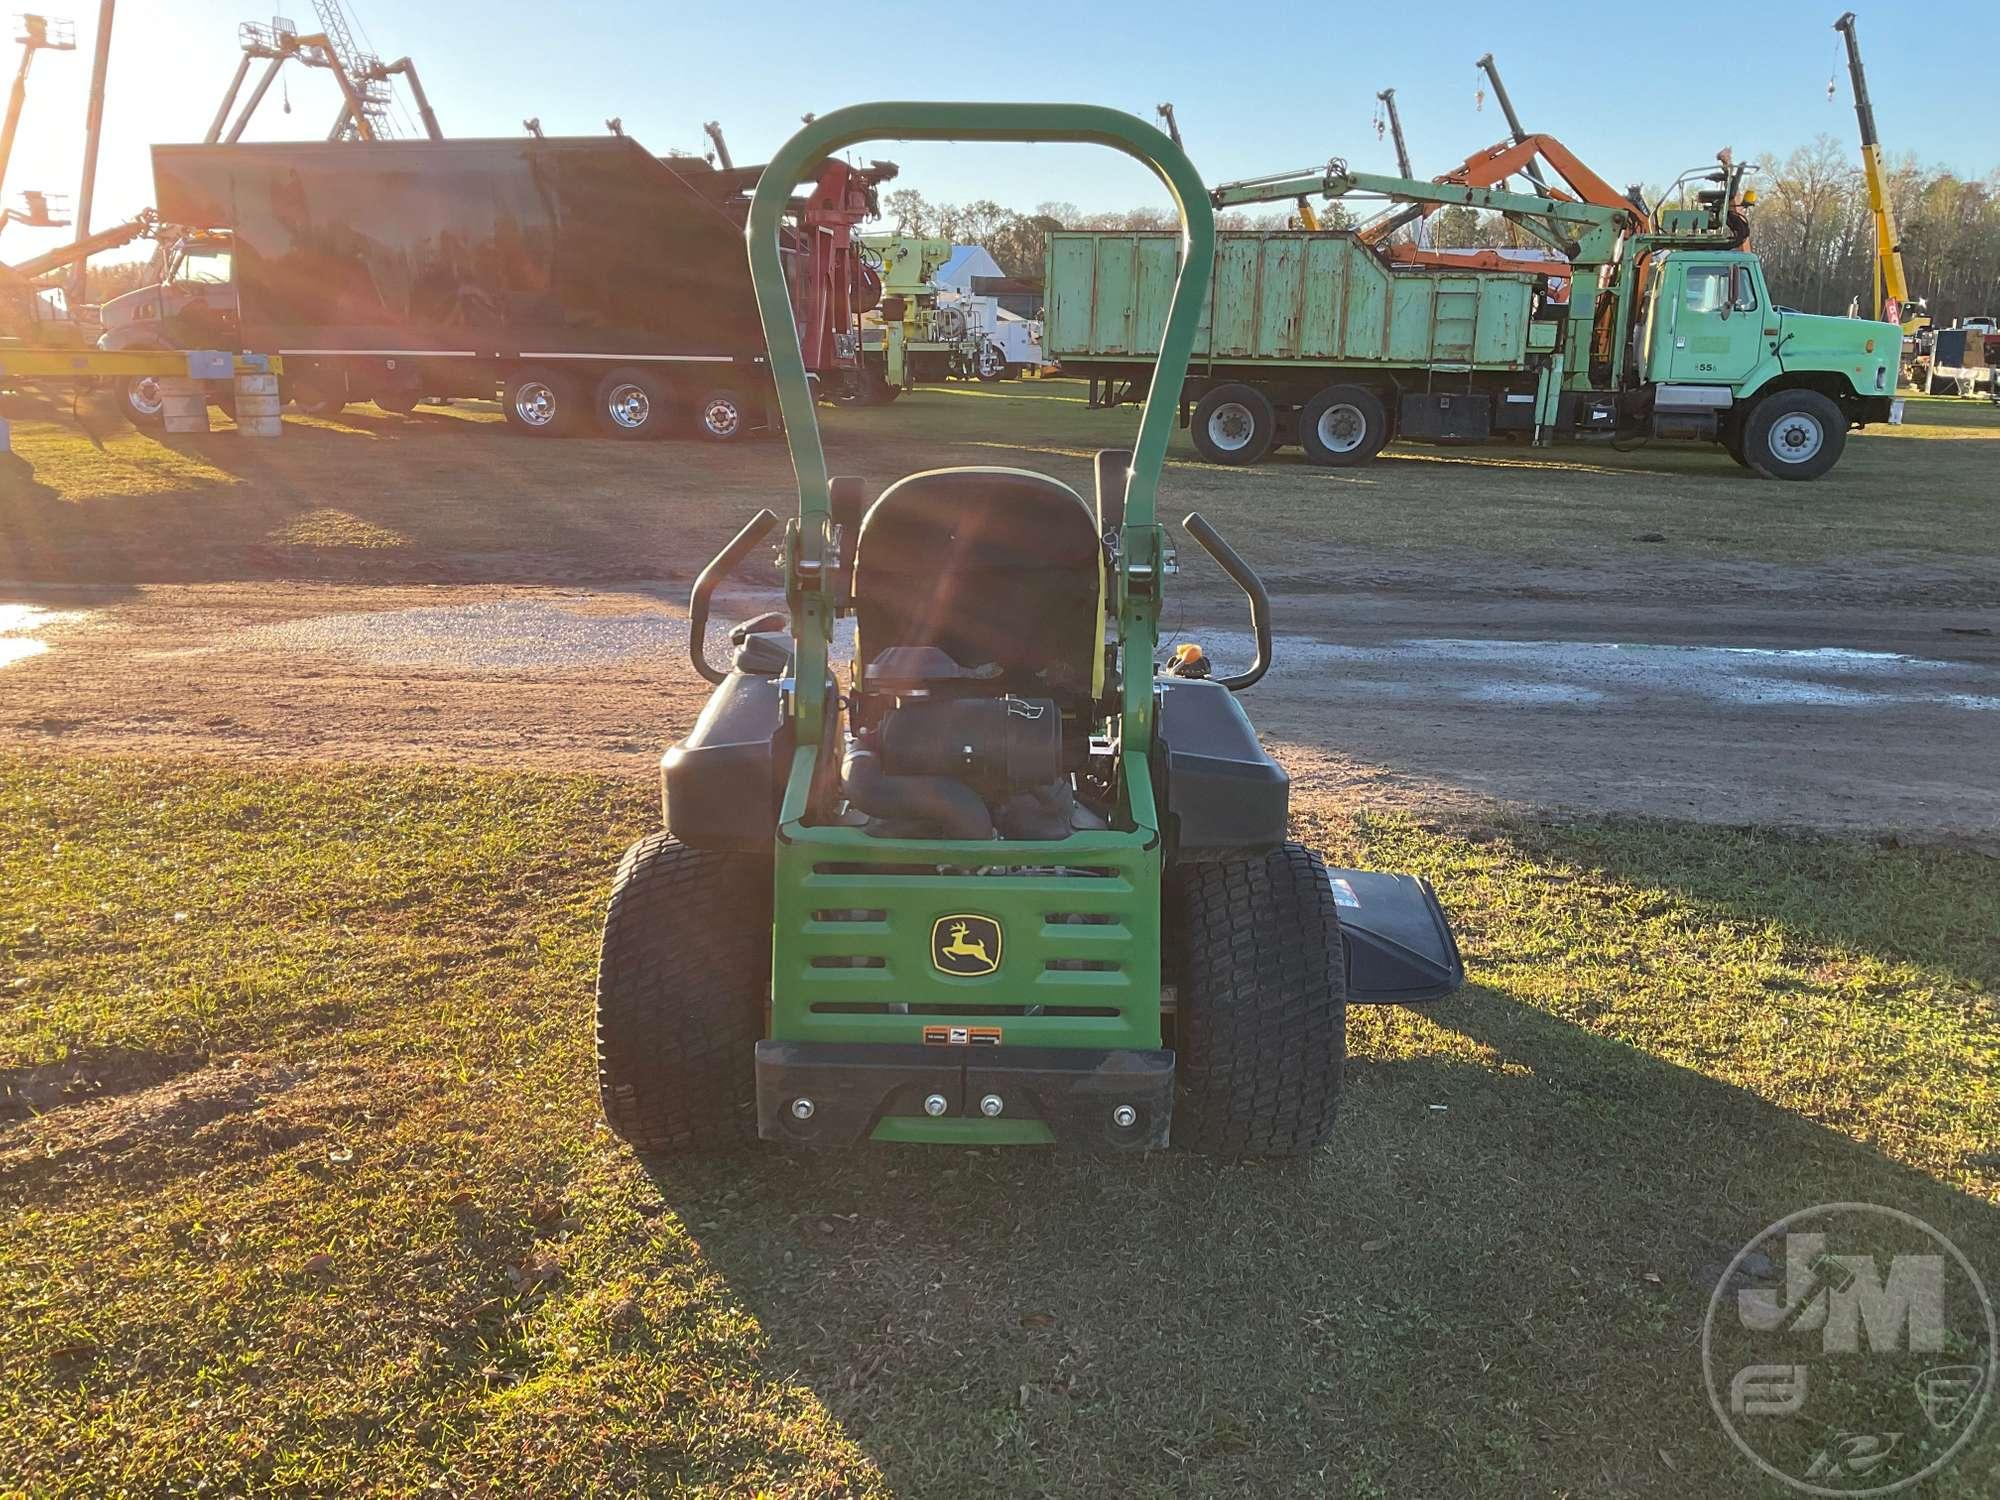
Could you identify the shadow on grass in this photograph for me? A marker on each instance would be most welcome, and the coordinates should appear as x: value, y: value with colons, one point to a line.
x: 1492, y: 1282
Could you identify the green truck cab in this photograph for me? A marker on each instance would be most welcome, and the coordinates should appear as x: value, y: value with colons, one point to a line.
x: 1658, y: 326
x: 1777, y: 389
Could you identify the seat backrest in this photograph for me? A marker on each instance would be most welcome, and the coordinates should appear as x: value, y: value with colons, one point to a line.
x: 990, y: 565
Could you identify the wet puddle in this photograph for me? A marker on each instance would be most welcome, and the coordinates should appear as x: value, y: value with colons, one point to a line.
x: 554, y: 635
x: 1568, y: 674
x: 21, y: 626
x: 508, y: 635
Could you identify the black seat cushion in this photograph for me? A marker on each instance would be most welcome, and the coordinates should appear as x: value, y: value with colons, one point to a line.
x: 990, y: 565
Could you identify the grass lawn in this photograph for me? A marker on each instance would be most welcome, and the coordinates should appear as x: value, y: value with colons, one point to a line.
x: 305, y: 1189
x: 454, y: 495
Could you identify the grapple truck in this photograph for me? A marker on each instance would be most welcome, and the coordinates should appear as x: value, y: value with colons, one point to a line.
x: 1629, y: 324
x: 998, y: 879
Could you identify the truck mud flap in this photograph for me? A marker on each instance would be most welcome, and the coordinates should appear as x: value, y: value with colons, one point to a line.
x: 1400, y: 949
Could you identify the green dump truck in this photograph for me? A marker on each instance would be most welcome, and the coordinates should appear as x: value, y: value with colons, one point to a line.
x: 1324, y: 339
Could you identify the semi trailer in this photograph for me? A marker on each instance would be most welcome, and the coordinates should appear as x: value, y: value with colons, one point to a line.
x: 584, y: 282
x: 1640, y: 324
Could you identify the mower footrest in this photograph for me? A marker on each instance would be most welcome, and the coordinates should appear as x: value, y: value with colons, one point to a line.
x: 849, y: 1089
x: 1400, y: 949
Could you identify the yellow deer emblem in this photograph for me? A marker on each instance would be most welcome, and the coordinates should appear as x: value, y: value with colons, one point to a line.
x: 965, y: 944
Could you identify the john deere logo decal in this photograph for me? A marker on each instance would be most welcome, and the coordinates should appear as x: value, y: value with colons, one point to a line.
x: 965, y: 944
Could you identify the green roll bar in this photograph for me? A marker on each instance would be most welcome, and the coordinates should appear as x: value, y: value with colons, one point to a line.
x: 807, y: 551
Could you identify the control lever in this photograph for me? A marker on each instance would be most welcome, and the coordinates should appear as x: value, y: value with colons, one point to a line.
x: 1196, y: 526
x: 723, y: 565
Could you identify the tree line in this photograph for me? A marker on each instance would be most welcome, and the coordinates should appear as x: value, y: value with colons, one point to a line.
x: 1811, y: 226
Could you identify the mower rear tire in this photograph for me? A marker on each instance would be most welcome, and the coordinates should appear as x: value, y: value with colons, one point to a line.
x: 681, y: 986
x: 1260, y: 1020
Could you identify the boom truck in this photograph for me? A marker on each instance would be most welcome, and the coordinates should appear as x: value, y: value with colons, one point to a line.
x: 1629, y: 324
x: 584, y: 281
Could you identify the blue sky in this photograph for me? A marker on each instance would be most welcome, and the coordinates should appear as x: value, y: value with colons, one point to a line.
x: 1640, y: 92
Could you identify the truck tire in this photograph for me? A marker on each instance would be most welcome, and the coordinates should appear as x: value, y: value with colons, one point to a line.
x: 540, y: 401
x: 1234, y: 424
x: 1260, y: 1022
x: 140, y: 399
x: 398, y: 403
x: 681, y: 984
x: 1794, y: 435
x: 632, y: 404
x: 721, y: 417
x: 1343, y: 424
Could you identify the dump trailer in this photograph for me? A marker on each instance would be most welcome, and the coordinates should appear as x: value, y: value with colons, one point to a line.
x: 584, y: 282
x: 1663, y: 330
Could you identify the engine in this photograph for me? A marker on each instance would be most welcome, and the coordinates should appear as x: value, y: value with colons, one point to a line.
x: 942, y: 751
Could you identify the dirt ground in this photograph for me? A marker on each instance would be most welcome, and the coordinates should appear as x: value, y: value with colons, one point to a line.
x: 1648, y: 633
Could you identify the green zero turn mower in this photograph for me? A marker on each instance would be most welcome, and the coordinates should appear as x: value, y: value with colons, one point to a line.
x: 1010, y: 883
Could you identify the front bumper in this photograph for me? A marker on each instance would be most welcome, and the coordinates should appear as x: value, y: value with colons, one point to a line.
x: 862, y: 1090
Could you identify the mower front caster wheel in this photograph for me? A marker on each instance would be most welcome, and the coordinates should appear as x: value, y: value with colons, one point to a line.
x: 1260, y: 1020
x: 681, y: 983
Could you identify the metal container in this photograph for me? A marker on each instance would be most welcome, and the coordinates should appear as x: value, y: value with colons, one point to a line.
x: 1304, y: 298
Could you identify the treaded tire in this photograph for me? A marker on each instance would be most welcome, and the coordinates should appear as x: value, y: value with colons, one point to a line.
x: 633, y: 405
x: 681, y: 985
x: 1234, y: 424
x: 1260, y: 1024
x: 1792, y: 413
x: 1360, y: 424
x: 139, y: 398
x: 541, y: 402
x: 722, y: 416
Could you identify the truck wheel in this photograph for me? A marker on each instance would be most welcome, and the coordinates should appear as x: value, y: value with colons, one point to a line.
x: 1234, y: 424
x: 139, y: 397
x: 992, y: 362
x: 632, y: 404
x: 400, y: 403
x: 1343, y: 424
x: 681, y: 984
x: 1260, y: 1021
x: 540, y: 401
x: 1794, y: 435
x: 721, y: 417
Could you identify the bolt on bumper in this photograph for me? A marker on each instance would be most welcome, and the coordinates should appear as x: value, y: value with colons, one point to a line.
x: 1089, y: 1099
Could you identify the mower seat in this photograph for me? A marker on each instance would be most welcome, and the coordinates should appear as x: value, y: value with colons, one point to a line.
x: 993, y: 566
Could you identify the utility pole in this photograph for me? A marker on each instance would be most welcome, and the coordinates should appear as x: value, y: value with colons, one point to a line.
x: 93, y: 128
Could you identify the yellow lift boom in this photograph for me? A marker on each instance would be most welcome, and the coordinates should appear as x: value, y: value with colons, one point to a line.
x: 1892, y: 302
